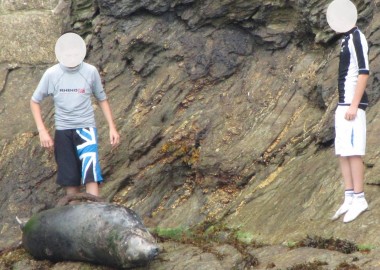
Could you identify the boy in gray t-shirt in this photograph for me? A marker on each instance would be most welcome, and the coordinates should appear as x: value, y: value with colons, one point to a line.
x: 75, y: 142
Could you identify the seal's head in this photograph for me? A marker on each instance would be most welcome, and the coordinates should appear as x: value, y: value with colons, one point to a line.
x: 70, y: 50
x: 137, y: 249
x: 341, y: 15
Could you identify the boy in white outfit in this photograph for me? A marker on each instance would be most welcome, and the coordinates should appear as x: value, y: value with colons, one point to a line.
x: 350, y: 116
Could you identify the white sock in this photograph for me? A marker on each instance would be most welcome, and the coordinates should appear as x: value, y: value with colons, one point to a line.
x: 359, y: 195
x: 348, y: 195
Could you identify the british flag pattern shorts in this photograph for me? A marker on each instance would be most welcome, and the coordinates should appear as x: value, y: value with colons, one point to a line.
x: 77, y: 156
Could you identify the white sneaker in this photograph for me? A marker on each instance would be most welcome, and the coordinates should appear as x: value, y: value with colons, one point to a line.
x: 343, y: 208
x: 359, y: 205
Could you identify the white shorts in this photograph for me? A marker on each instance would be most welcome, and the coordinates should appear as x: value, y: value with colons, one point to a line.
x: 350, y: 136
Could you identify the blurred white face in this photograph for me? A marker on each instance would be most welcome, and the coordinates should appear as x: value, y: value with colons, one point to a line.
x: 70, y: 50
x: 71, y: 56
x: 341, y: 15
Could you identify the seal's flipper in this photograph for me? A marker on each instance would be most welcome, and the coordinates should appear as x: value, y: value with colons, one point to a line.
x: 21, y: 223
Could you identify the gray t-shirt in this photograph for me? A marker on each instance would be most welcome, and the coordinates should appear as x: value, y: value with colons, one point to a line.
x: 71, y: 89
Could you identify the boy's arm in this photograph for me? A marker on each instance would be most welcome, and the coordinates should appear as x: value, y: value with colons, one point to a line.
x: 359, y: 91
x: 114, y: 135
x: 45, y: 139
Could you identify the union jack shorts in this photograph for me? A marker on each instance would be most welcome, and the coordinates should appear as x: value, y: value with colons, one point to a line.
x: 77, y: 156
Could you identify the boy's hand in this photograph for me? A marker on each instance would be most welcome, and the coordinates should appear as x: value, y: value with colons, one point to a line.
x: 351, y: 113
x: 45, y: 139
x: 114, y: 137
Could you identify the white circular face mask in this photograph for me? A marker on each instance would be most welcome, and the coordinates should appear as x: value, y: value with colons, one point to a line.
x: 342, y: 15
x: 70, y: 50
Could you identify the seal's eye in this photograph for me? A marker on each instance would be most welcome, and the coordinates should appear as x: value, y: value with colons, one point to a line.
x: 48, y: 252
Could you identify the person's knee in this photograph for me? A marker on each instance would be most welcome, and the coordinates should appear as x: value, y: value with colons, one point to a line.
x: 356, y: 159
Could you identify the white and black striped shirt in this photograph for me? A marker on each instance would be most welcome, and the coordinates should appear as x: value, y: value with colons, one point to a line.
x: 353, y: 62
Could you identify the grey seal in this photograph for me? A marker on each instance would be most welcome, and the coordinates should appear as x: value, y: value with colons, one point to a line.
x: 95, y: 232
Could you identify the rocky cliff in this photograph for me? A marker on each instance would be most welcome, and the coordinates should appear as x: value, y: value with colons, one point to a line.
x: 225, y: 109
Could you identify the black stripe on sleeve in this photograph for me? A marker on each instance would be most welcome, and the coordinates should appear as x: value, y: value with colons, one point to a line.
x: 359, y: 53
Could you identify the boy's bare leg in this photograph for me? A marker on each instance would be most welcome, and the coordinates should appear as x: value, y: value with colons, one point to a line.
x: 72, y: 190
x: 346, y: 169
x: 92, y: 188
x: 359, y: 203
x: 345, y: 166
x: 357, y: 173
x: 355, y: 180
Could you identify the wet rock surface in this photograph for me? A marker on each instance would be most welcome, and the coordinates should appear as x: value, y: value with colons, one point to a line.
x: 225, y: 109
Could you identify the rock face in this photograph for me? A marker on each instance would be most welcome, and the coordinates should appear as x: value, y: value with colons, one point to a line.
x: 225, y: 109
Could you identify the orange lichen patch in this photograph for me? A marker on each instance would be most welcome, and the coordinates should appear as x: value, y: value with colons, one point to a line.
x: 121, y: 197
x: 187, y: 101
x: 184, y: 151
x: 193, y: 156
x: 217, y: 201
x: 187, y: 188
